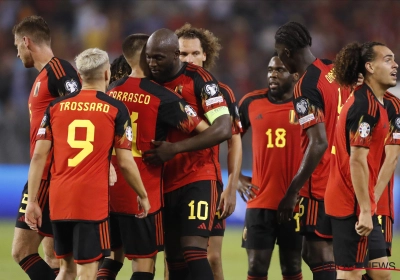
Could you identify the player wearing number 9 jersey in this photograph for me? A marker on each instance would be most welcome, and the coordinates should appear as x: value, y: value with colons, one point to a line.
x: 317, y: 101
x: 83, y: 127
x: 276, y: 158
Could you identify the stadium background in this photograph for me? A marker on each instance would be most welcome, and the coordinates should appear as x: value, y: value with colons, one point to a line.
x: 246, y: 30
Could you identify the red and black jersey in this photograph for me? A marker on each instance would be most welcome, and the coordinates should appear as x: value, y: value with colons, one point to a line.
x: 233, y: 108
x: 363, y: 122
x: 276, y: 148
x: 318, y: 99
x: 154, y: 110
x: 57, y: 78
x: 84, y: 127
x: 201, y: 91
x: 392, y: 103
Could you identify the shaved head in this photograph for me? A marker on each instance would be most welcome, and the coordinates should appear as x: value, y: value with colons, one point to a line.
x: 162, y: 55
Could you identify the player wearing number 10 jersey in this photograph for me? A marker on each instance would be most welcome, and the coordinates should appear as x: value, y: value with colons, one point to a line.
x: 317, y: 102
x: 276, y: 158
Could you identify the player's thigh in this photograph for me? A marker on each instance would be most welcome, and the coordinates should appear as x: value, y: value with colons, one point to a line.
x: 219, y: 225
x: 349, y: 248
x: 25, y: 242
x: 260, y: 229
x: 144, y: 264
x: 386, y: 223
x: 313, y: 218
x: 141, y: 238
x: 379, y: 274
x: 214, y: 248
x: 290, y: 244
x: 48, y: 249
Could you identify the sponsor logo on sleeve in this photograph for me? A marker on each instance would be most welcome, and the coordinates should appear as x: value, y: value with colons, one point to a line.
x: 306, y: 119
x: 128, y: 133
x: 396, y: 135
x: 42, y: 124
x: 71, y: 86
x: 190, y: 111
x: 211, y: 89
x: 364, y: 129
x: 302, y: 106
x: 397, y: 122
x: 41, y: 131
x: 214, y: 100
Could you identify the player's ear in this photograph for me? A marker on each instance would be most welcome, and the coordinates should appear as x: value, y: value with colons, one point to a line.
x: 177, y: 53
x: 287, y: 52
x: 296, y: 77
x: 27, y: 42
x: 369, y: 67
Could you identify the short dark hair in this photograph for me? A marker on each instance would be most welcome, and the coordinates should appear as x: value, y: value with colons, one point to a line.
x: 34, y: 27
x: 293, y: 35
x: 350, y: 61
x: 209, y: 42
x: 119, y: 69
x: 133, y: 44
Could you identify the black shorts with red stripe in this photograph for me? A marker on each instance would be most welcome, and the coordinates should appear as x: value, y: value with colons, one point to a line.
x: 139, y: 238
x: 314, y: 223
x: 43, y: 200
x: 352, y: 250
x: 86, y: 241
x: 190, y: 210
x: 218, y: 228
x: 386, y: 224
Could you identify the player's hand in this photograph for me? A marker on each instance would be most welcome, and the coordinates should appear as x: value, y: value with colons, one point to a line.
x: 33, y: 216
x: 112, y: 176
x: 163, y: 152
x: 286, y: 207
x: 143, y: 204
x: 245, y: 188
x: 227, y: 202
x: 364, y: 225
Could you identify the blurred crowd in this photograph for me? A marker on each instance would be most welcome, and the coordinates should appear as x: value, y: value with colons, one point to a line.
x: 246, y: 30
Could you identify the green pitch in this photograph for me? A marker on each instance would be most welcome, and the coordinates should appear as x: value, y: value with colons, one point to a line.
x: 234, y: 259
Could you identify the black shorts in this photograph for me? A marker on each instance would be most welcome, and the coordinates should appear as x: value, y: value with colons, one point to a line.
x: 218, y: 228
x: 87, y: 242
x: 350, y: 249
x: 43, y: 199
x: 386, y: 223
x: 262, y: 231
x: 314, y: 223
x: 191, y: 208
x: 140, y: 238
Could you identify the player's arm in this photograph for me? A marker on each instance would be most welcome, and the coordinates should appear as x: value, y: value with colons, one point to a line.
x: 359, y: 177
x: 131, y: 174
x: 33, y: 215
x: 389, y: 165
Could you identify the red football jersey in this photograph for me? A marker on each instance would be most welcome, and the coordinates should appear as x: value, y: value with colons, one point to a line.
x: 363, y: 122
x: 154, y: 110
x: 201, y: 91
x: 83, y: 127
x: 318, y: 99
x: 275, y: 144
x: 233, y: 108
x: 57, y: 78
x: 385, y: 203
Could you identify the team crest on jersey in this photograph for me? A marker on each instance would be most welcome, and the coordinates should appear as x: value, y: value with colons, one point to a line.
x: 128, y: 133
x: 190, y: 111
x: 397, y: 123
x: 302, y: 106
x: 211, y: 89
x: 364, y: 129
x: 71, y: 86
x: 36, y: 91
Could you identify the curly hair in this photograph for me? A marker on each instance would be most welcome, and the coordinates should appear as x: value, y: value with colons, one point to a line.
x: 350, y: 61
x: 209, y: 42
x: 119, y: 68
x: 293, y: 35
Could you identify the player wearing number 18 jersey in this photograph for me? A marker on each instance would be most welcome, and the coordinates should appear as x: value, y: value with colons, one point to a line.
x: 317, y: 102
x: 276, y: 158
x: 83, y: 127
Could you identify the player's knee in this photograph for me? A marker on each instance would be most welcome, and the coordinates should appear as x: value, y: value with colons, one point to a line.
x: 214, y: 258
x: 291, y: 267
x: 381, y: 275
x: 20, y: 252
x: 257, y: 266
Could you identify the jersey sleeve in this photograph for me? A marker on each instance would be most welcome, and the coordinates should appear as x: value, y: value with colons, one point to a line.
x: 361, y: 119
x: 244, y: 112
x: 212, y: 100
x: 308, y: 104
x: 233, y: 108
x: 393, y: 110
x: 63, y: 78
x: 123, y: 135
x: 45, y: 132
